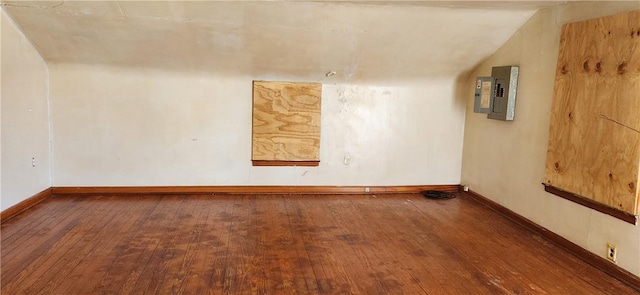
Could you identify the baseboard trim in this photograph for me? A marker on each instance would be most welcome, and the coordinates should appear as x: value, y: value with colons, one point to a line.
x: 285, y: 163
x: 593, y: 259
x: 24, y: 205
x: 624, y: 216
x: 251, y: 189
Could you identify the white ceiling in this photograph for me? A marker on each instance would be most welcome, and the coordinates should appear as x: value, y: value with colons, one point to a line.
x: 393, y: 40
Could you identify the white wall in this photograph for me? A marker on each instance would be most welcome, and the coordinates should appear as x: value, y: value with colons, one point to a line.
x: 125, y: 126
x: 505, y: 161
x: 25, y: 118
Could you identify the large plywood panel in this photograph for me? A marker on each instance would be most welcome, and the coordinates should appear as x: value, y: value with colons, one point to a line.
x: 286, y: 121
x: 594, y: 137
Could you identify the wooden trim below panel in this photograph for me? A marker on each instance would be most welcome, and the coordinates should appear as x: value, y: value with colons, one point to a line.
x: 593, y: 259
x: 591, y: 204
x: 24, y: 205
x: 285, y: 163
x: 251, y: 189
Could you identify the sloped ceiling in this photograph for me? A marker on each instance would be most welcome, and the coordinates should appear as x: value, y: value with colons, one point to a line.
x: 295, y: 40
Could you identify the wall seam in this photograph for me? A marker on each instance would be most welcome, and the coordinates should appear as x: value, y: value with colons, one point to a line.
x: 50, y: 123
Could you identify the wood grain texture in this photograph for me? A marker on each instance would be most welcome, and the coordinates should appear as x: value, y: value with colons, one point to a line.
x: 286, y: 121
x: 24, y: 205
x: 249, y: 189
x: 283, y: 244
x: 594, y: 260
x: 594, y: 135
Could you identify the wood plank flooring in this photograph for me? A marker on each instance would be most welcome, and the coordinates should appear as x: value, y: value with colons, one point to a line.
x: 282, y: 244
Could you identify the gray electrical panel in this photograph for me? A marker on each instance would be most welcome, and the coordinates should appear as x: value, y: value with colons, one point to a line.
x: 504, y: 95
x: 496, y: 95
x: 483, y: 95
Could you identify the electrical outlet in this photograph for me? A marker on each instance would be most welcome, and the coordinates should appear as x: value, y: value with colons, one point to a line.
x: 611, y: 252
x: 367, y: 189
x: 33, y: 162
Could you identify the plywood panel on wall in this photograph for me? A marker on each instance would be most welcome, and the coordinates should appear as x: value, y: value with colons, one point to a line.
x: 594, y: 136
x: 286, y: 121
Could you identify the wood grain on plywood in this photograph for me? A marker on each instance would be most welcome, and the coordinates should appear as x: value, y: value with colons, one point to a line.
x: 286, y: 121
x: 594, y: 135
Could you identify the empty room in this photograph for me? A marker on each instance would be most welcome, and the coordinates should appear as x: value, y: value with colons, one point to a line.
x: 320, y: 147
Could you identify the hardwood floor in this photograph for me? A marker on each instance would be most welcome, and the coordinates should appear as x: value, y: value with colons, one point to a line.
x: 282, y: 244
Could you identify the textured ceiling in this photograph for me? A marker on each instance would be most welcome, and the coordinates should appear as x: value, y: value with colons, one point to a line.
x: 296, y: 40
